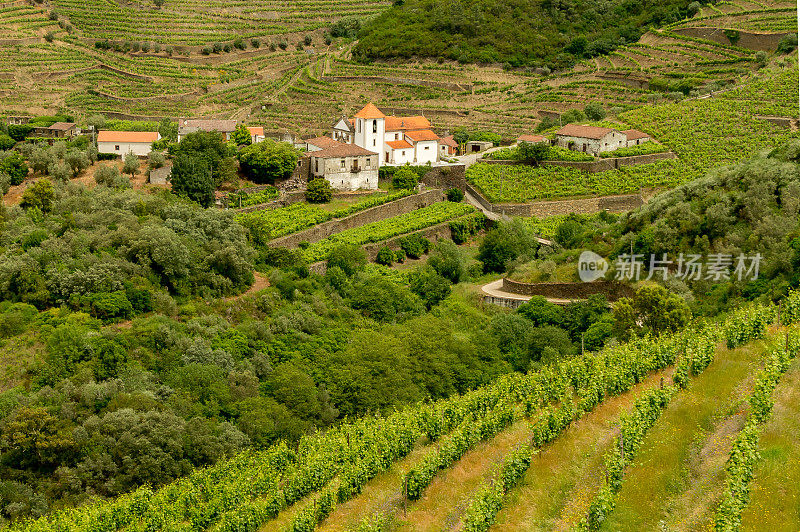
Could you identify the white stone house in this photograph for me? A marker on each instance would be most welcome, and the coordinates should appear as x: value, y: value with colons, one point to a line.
x: 590, y: 139
x: 344, y: 130
x: 346, y: 167
x: 426, y: 146
x: 373, y: 130
x: 399, y: 152
x: 635, y: 137
x: 122, y: 142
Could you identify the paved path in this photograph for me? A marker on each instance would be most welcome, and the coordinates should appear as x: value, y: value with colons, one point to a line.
x: 495, y: 289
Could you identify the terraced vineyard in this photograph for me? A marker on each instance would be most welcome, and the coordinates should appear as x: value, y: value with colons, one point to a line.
x: 563, y: 447
x: 286, y: 85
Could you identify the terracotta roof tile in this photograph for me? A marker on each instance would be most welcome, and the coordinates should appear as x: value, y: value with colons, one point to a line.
x: 323, y: 142
x: 425, y: 134
x: 585, y: 132
x: 223, y: 126
x: 128, y: 136
x: 342, y: 150
x: 256, y: 131
x: 449, y: 141
x: 62, y: 126
x: 634, y: 134
x: 531, y: 138
x: 370, y: 111
x: 399, y: 144
x: 405, y: 123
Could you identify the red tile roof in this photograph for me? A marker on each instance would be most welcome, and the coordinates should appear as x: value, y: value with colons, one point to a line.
x: 449, y: 141
x: 398, y: 144
x: 141, y: 137
x: 62, y: 126
x: 256, y: 131
x: 323, y: 142
x: 405, y: 123
x: 425, y: 134
x: 584, y: 132
x: 342, y: 150
x: 370, y: 111
x: 634, y: 134
x: 531, y: 138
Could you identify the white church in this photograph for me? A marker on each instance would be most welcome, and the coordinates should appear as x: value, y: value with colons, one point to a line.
x: 396, y: 140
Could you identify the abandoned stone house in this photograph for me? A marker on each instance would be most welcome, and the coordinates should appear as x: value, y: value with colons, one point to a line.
x: 635, y: 137
x: 590, y: 139
x: 345, y: 166
x: 226, y: 127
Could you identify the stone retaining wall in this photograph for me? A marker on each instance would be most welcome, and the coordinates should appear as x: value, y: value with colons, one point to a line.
x: 446, y: 177
x: 599, y: 165
x: 459, y: 87
x: 373, y: 214
x: 767, y: 42
x: 612, y: 290
x: 620, y: 203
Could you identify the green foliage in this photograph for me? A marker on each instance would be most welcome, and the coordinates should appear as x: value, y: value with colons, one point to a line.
x: 385, y: 256
x: 504, y: 244
x: 318, y: 191
x: 206, y: 149
x: 192, y: 178
x: 405, y: 178
x: 532, y: 153
x: 653, y: 310
x: 39, y: 196
x: 241, y: 136
x: 454, y: 194
x: 6, y: 142
x: 13, y: 165
x: 415, y: 245
x: 594, y: 111
x: 130, y: 164
x: 350, y: 258
x: 465, y: 227
x: 268, y: 161
x: 429, y: 285
x: 645, y: 148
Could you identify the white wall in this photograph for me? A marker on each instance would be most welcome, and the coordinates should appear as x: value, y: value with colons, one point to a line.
x: 427, y: 151
x: 397, y: 156
x: 610, y: 142
x: 369, y: 140
x: 122, y: 148
x: 343, y: 178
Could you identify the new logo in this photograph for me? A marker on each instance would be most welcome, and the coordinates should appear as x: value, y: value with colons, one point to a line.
x: 591, y: 266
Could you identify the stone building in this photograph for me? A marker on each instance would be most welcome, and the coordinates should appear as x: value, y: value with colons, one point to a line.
x: 122, y: 142
x: 590, y: 139
x: 635, y: 137
x: 346, y: 166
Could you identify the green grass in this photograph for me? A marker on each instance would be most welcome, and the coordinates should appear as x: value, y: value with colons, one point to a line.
x: 775, y: 489
x: 680, y: 468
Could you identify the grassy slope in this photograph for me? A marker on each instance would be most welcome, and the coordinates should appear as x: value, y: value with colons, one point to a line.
x: 680, y: 468
x: 563, y: 477
x: 775, y: 490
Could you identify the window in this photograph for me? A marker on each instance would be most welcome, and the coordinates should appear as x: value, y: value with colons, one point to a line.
x: 373, y: 142
x: 343, y: 163
x: 316, y: 165
x: 374, y: 126
x: 369, y: 162
x: 404, y: 153
x: 427, y: 147
x: 116, y: 147
x: 396, y: 136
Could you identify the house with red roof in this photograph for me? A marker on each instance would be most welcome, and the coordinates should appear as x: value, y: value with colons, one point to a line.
x: 590, y: 139
x: 396, y: 139
x: 344, y: 166
x: 123, y: 142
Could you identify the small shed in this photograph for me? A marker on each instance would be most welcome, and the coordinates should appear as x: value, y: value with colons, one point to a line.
x: 477, y: 146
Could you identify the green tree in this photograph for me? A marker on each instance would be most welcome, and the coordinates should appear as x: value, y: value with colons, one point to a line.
x: 573, y: 115
x: 429, y: 285
x: 268, y: 161
x: 349, y: 257
x: 14, y: 165
x: 594, y: 111
x: 504, y: 244
x: 41, y: 196
x: 6, y: 142
x: 106, y: 174
x: 541, y: 312
x: 653, y: 310
x: 97, y: 121
x: 533, y: 152
x: 241, y: 136
x: 130, y: 163
x: 385, y: 256
x: 405, y: 177
x: 156, y: 159
x: 191, y: 178
x: 77, y: 160
x: 168, y: 130
x: 319, y: 191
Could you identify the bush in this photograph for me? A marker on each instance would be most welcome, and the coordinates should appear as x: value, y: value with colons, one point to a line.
x: 156, y: 159
x: 787, y: 44
x: 415, y: 245
x: 255, y: 43
x: 405, y: 178
x: 385, y: 256
x: 455, y: 195
x: 693, y: 9
x: 594, y: 111
x: 349, y: 257
x: 41, y: 196
x: 268, y: 161
x: 15, y: 167
x: 429, y: 286
x: 110, y: 306
x: 130, y: 164
x: 504, y: 244
x: 319, y: 191
x: 106, y: 175
x: 6, y: 142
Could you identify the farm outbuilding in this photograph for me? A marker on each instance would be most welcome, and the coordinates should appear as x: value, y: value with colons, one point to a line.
x: 123, y: 142
x: 590, y: 139
x: 477, y: 146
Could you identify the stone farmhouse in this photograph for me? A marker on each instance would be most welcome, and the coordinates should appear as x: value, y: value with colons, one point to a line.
x: 226, y: 127
x: 59, y: 130
x: 590, y: 139
x: 123, y: 142
x: 531, y: 139
x: 448, y: 147
x: 256, y: 134
x: 344, y: 166
x: 396, y: 139
x: 636, y: 137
